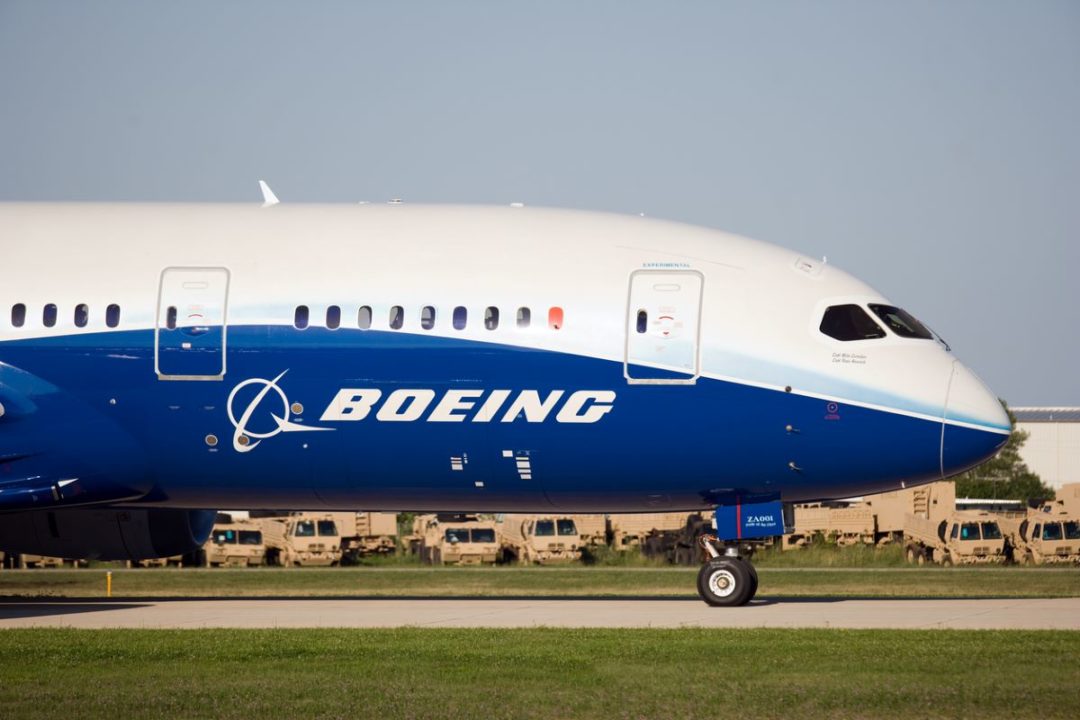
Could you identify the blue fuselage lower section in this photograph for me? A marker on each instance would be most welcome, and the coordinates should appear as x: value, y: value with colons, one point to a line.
x: 93, y: 406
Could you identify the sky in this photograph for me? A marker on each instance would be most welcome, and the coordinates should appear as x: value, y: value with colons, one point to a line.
x: 931, y: 149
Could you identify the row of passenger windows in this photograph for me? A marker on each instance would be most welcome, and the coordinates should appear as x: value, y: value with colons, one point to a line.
x: 50, y: 313
x: 396, y: 318
x: 851, y: 322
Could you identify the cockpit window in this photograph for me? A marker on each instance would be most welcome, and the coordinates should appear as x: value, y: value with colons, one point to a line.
x: 902, y: 322
x: 850, y: 322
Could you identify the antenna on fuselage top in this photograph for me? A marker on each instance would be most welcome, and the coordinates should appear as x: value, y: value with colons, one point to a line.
x: 269, y: 198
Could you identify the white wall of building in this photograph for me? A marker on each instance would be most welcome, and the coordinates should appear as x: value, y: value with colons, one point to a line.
x: 1053, y: 451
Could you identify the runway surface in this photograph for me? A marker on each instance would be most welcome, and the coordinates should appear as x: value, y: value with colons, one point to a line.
x: 1056, y: 613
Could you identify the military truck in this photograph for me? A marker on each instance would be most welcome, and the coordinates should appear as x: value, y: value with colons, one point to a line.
x: 844, y: 524
x: 1067, y: 499
x: 366, y: 533
x: 302, y: 539
x: 959, y: 538
x: 235, y: 544
x: 39, y: 561
x: 1042, y: 537
x: 457, y: 540
x: 630, y: 530
x: 892, y: 508
x: 540, y: 539
x: 592, y: 529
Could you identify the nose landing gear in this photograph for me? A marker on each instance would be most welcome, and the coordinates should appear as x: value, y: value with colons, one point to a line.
x: 727, y: 579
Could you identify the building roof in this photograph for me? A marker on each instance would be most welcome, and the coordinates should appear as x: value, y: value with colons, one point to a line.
x: 1047, y: 414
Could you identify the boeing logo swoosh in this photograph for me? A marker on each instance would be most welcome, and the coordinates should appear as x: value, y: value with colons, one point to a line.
x: 245, y: 440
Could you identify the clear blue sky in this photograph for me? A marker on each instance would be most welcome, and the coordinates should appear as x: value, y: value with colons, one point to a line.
x: 930, y: 148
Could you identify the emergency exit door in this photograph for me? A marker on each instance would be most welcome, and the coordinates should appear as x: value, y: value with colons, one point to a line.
x: 663, y: 327
x: 189, y: 335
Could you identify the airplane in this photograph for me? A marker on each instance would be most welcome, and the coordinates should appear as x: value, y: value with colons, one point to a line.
x: 161, y: 361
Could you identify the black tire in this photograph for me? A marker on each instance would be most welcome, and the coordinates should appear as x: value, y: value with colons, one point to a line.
x: 753, y: 579
x: 727, y: 582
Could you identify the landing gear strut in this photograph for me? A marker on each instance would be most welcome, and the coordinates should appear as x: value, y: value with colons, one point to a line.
x: 727, y: 579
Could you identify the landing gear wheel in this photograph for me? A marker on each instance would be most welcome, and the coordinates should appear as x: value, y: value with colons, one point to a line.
x: 727, y: 582
x: 753, y: 579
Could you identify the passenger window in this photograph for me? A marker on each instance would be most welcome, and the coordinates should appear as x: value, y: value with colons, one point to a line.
x: 955, y: 532
x: 397, y: 317
x: 48, y: 315
x: 170, y: 317
x: 18, y: 315
x: 1051, y: 531
x: 555, y: 318
x: 363, y: 317
x: 524, y: 317
x: 82, y: 315
x: 849, y: 322
x: 112, y: 315
x: 327, y: 528
x: 642, y: 321
x: 461, y: 317
x: 300, y: 318
x: 333, y: 317
x: 902, y: 322
x: 427, y: 317
x: 491, y: 318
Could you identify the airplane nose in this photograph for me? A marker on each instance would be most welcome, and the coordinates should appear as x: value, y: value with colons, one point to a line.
x: 976, y: 424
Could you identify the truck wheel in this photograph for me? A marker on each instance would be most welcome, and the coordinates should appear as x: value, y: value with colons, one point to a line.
x: 921, y: 559
x: 946, y: 561
x: 726, y: 583
x: 910, y: 555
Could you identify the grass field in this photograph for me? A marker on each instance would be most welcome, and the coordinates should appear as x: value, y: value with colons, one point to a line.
x: 542, y: 673
x: 537, y: 582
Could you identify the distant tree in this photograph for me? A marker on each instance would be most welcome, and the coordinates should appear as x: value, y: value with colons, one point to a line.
x: 1004, y: 476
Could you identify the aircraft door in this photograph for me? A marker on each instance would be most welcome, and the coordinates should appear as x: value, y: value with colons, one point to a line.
x: 189, y: 334
x: 663, y: 327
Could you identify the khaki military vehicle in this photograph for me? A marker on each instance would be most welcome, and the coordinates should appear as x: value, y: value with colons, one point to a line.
x: 540, y: 539
x: 629, y: 530
x: 1067, y: 499
x: 892, y: 508
x: 366, y: 533
x: 959, y: 538
x: 845, y: 524
x: 457, y: 540
x: 304, y: 539
x: 592, y: 529
x: 1041, y: 537
x: 236, y: 544
x: 40, y: 561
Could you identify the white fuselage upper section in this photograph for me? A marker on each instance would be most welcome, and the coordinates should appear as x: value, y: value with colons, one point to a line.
x: 761, y: 305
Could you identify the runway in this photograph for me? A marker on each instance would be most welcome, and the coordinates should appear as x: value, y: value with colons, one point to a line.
x: 990, y: 614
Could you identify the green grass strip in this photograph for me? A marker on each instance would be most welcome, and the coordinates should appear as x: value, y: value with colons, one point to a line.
x: 537, y: 582
x: 538, y: 673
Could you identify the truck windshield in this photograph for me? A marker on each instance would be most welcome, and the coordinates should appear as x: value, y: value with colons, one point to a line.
x: 250, y: 537
x: 327, y: 528
x: 991, y: 531
x: 222, y: 537
x: 1051, y: 531
x: 304, y: 528
x: 483, y: 535
x: 544, y: 528
x: 969, y: 531
x: 567, y: 527
x: 1072, y: 530
x: 456, y: 535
